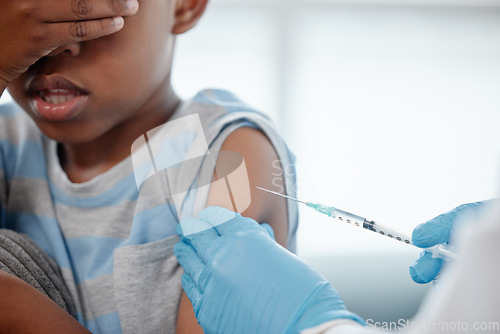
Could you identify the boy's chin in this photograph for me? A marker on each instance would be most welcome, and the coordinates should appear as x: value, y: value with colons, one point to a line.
x: 66, y: 132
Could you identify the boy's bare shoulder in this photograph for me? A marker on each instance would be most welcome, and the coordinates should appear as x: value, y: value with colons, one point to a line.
x: 262, y: 165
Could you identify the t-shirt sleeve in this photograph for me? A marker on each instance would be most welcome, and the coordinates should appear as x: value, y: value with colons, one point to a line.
x: 17, y: 131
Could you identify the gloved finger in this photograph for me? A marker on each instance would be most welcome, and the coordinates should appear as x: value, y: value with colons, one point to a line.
x: 438, y: 230
x: 201, y: 235
x: 426, y: 268
x: 189, y: 260
x: 216, y: 216
x: 192, y: 226
x: 222, y: 220
x: 433, y: 232
x: 192, y: 292
x: 268, y: 229
x: 204, y: 229
x: 207, y: 249
x: 226, y: 221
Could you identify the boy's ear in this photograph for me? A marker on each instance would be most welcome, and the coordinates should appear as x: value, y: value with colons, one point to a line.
x: 187, y: 14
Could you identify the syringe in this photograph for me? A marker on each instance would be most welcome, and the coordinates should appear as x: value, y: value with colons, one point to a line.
x: 442, y: 251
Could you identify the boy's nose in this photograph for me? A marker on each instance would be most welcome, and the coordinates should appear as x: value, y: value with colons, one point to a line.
x: 72, y: 48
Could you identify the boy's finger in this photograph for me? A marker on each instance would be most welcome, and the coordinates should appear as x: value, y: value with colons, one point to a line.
x: 83, y: 10
x: 70, y: 32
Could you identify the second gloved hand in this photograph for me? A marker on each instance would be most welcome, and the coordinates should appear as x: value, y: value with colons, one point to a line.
x: 437, y: 231
x: 240, y: 280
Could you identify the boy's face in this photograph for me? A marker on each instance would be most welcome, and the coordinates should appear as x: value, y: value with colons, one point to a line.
x: 95, y: 88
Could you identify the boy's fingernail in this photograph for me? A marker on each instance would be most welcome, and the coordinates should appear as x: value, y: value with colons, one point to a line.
x: 131, y: 4
x: 117, y: 22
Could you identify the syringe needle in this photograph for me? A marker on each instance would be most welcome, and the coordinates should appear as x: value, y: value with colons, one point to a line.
x: 273, y: 192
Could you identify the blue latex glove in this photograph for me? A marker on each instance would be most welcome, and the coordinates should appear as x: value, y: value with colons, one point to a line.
x: 437, y: 231
x: 240, y: 280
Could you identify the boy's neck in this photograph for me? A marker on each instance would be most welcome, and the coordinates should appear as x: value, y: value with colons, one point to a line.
x: 84, y: 161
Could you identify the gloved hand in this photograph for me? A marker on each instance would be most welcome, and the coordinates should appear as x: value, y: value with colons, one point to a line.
x: 240, y: 280
x: 437, y: 231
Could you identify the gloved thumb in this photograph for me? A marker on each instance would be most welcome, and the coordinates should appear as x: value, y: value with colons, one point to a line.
x: 425, y: 268
x: 268, y: 229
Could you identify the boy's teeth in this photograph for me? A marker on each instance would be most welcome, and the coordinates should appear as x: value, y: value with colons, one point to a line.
x: 58, y: 99
x: 57, y: 96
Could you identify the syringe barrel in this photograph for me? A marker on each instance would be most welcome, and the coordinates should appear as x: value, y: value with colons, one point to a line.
x: 341, y: 215
x: 359, y: 221
x: 350, y: 218
x: 390, y: 233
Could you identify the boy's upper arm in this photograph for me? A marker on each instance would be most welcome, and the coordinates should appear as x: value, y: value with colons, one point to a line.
x: 260, y: 160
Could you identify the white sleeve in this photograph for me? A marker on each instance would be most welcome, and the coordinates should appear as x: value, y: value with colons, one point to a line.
x: 339, y: 326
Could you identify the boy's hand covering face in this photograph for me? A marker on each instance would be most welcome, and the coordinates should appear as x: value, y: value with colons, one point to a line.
x: 31, y: 29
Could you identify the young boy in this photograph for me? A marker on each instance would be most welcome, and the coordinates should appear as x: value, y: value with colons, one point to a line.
x: 93, y: 76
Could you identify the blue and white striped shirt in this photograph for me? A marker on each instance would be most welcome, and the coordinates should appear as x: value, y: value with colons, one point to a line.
x: 114, y: 243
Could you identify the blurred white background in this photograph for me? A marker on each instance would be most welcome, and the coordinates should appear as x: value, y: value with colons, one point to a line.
x: 391, y: 107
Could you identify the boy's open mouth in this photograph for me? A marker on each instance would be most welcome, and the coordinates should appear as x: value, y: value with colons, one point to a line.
x: 55, y: 98
x: 58, y: 96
